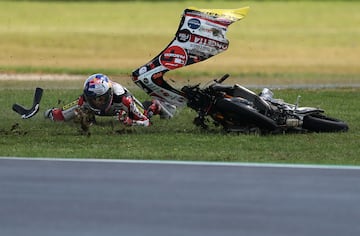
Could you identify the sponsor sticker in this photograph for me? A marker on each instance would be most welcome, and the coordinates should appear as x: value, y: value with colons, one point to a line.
x: 194, y: 23
x: 183, y: 35
x: 173, y: 57
x: 142, y: 70
x: 209, y: 42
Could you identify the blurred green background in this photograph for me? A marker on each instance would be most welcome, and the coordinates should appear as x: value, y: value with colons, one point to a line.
x: 294, y: 40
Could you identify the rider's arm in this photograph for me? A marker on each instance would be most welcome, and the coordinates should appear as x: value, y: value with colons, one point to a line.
x: 134, y: 116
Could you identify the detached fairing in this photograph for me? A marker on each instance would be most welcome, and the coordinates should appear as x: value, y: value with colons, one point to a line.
x: 201, y: 34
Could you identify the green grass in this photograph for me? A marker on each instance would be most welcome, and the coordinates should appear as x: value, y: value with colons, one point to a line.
x: 178, y: 138
x: 295, y: 42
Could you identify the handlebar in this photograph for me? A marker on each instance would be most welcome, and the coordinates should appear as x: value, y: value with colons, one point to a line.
x: 222, y: 79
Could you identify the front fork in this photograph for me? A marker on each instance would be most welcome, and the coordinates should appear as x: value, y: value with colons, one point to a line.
x: 200, y: 120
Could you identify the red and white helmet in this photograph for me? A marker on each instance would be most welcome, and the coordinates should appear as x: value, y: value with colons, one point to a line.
x: 98, y: 92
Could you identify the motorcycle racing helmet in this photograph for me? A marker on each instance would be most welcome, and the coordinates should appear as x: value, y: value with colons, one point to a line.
x: 98, y: 92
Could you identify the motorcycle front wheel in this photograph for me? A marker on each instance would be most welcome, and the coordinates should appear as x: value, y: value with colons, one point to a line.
x: 321, y: 123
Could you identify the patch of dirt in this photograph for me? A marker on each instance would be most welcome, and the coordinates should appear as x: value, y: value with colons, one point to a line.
x: 15, y: 129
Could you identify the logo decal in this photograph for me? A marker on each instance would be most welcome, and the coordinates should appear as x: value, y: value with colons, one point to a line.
x: 200, y: 40
x: 194, y: 23
x: 183, y: 35
x: 142, y: 70
x: 173, y: 57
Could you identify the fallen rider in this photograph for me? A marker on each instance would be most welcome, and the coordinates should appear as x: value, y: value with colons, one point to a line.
x: 104, y: 97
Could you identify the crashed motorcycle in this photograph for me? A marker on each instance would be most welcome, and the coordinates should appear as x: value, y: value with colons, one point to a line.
x: 239, y: 109
x: 201, y: 35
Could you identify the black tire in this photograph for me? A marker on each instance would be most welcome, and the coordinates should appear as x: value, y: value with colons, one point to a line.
x: 321, y: 123
x: 243, y: 114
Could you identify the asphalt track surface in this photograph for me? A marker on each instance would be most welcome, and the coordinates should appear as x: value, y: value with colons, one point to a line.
x: 85, y: 198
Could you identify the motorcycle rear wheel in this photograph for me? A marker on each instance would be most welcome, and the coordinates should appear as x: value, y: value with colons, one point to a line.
x: 321, y: 123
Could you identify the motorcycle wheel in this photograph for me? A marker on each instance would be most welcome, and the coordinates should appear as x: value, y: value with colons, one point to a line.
x: 321, y: 123
x: 245, y: 115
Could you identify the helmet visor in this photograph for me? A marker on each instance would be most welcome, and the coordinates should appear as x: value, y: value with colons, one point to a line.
x: 102, y: 102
